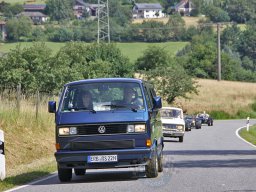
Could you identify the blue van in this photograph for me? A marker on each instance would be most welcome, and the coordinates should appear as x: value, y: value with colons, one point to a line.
x: 108, y: 123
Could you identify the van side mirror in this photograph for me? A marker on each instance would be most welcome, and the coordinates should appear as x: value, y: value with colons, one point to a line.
x: 157, y: 102
x: 52, y: 106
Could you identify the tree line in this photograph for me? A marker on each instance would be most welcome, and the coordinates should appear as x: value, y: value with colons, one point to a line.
x: 36, y: 69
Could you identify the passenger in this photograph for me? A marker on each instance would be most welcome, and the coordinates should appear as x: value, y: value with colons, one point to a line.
x: 86, y: 100
x: 131, y: 97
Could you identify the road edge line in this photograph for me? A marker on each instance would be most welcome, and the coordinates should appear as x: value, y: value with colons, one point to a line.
x: 237, y: 134
x: 54, y: 174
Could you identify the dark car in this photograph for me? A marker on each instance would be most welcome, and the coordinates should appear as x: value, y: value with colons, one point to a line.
x: 205, y: 118
x: 192, y: 122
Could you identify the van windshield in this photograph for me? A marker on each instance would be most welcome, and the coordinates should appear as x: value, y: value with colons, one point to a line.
x: 103, y: 97
x: 170, y: 113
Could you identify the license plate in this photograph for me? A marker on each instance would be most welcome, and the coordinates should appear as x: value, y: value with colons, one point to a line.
x: 101, y: 158
x: 169, y: 132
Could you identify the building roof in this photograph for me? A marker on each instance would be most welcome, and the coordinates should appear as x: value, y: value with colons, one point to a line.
x: 31, y: 14
x: 28, y: 7
x: 148, y: 6
x: 181, y: 3
x: 81, y: 2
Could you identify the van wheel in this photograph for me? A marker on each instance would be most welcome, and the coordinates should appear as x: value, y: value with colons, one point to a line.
x: 160, y: 162
x: 79, y: 172
x: 181, y: 139
x: 65, y: 175
x: 152, y: 167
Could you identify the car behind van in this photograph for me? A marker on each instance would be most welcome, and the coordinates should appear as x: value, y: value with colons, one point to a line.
x: 173, y: 122
x: 109, y: 132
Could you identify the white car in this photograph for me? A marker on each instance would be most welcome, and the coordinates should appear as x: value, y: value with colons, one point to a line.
x: 173, y: 122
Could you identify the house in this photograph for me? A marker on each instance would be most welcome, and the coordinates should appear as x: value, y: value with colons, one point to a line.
x: 81, y: 9
x: 34, y: 8
x: 184, y: 7
x: 36, y: 17
x: 3, y: 30
x: 147, y: 10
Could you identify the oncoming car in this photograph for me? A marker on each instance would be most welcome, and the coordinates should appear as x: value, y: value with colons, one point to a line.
x: 192, y: 122
x: 107, y: 123
x: 173, y: 122
x: 205, y: 118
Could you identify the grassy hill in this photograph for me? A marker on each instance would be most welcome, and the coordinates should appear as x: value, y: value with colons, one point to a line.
x: 232, y: 98
x: 131, y: 50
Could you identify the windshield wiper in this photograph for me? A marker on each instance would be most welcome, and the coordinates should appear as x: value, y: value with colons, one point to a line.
x: 121, y: 106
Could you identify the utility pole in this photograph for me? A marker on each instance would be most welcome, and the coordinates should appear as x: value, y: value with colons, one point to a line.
x: 103, y: 21
x: 218, y: 25
x: 219, y: 52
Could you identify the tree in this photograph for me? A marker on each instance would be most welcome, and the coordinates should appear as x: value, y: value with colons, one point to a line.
x: 59, y: 9
x: 247, y: 43
x: 172, y: 82
x: 199, y: 59
x: 10, y: 10
x: 18, y: 27
x: 176, y: 26
x: 30, y: 67
x: 240, y: 11
x: 216, y: 14
x: 169, y: 78
x: 152, y: 58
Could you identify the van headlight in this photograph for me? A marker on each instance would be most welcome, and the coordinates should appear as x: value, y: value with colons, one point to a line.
x: 68, y: 131
x: 137, y: 128
x: 180, y: 127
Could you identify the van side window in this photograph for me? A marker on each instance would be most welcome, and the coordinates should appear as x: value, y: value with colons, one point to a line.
x: 148, y: 98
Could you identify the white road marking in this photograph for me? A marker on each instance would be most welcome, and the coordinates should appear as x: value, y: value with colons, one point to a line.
x: 34, y: 182
x: 237, y: 134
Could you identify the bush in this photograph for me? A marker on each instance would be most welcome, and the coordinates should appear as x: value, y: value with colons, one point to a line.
x: 254, y: 106
x: 220, y: 115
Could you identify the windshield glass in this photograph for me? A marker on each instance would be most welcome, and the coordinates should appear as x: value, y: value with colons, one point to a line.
x: 170, y: 113
x: 103, y: 97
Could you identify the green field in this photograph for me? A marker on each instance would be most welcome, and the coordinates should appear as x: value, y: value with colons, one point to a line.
x: 131, y: 50
x: 135, y: 50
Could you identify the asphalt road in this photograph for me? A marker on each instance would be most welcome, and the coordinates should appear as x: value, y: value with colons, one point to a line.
x: 210, y: 159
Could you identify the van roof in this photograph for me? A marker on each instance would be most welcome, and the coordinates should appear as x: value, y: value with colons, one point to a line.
x: 98, y: 80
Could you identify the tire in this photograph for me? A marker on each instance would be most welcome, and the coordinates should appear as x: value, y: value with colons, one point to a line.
x: 160, y: 162
x: 79, y: 172
x: 152, y: 167
x: 181, y: 139
x: 65, y: 175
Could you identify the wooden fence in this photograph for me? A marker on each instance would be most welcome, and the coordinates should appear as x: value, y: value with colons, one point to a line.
x: 15, y: 99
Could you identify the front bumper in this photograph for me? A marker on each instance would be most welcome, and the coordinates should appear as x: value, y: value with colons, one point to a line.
x: 173, y: 134
x: 126, y: 158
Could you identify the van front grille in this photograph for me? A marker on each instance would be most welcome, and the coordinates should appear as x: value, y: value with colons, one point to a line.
x: 109, y: 129
x: 94, y: 145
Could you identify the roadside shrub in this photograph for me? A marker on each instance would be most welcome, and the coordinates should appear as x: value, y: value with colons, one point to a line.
x: 244, y: 114
x: 254, y: 106
x: 220, y: 115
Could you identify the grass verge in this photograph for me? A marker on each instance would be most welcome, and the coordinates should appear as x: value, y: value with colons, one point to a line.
x: 28, y: 174
x: 250, y: 135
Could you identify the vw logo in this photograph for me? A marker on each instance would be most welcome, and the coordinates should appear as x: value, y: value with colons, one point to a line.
x: 102, y: 129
